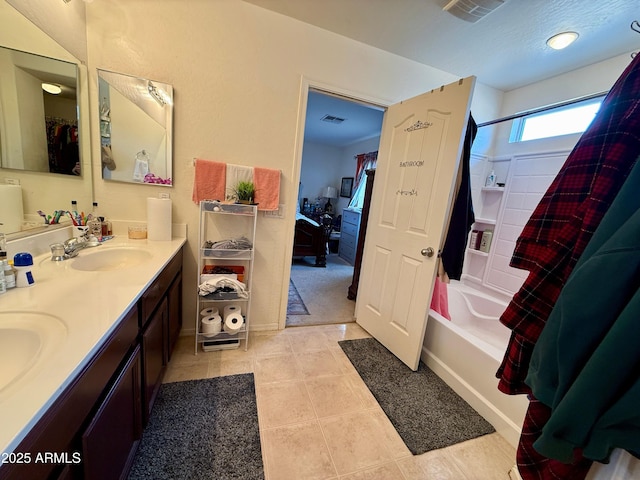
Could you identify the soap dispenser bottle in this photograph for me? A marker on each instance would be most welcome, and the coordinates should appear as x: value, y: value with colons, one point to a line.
x: 491, y: 180
x: 23, y: 262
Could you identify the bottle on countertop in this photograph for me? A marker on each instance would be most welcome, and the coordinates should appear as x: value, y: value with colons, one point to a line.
x: 9, y: 274
x: 106, y: 227
x: 23, y: 262
x: 3, y: 259
x: 3, y: 283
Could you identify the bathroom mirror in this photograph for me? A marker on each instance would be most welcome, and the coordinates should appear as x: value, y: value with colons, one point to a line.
x: 38, y: 127
x: 40, y: 190
x: 136, y: 121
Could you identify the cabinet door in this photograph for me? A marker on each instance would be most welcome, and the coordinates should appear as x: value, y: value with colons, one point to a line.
x: 110, y: 441
x: 174, y: 297
x: 154, y: 356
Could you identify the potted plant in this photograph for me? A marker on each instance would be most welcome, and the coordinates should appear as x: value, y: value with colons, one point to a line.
x: 245, y: 192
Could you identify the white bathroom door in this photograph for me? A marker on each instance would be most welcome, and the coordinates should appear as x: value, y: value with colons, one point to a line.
x: 418, y: 158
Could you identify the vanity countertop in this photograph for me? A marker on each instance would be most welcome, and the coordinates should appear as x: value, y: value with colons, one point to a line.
x: 89, y: 304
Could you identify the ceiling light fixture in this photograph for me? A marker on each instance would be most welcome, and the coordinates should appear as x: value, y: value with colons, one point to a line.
x: 52, y: 88
x: 562, y: 40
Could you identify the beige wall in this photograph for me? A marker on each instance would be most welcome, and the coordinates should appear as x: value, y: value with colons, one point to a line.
x: 237, y: 72
x: 240, y: 75
x: 65, y: 22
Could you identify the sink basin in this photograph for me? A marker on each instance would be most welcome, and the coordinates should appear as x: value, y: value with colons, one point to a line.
x: 27, y: 339
x: 103, y: 260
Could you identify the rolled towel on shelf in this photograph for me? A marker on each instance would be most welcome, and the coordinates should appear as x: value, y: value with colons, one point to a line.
x: 223, y: 284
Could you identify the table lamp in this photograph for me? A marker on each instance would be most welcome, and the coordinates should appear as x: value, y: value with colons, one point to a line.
x: 329, y: 193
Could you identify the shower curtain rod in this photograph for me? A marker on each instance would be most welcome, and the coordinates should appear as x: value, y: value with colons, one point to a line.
x: 541, y: 109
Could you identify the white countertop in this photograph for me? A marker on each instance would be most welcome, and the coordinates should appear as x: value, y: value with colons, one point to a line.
x: 91, y: 305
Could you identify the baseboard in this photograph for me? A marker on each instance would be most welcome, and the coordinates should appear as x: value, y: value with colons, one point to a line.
x: 503, y: 424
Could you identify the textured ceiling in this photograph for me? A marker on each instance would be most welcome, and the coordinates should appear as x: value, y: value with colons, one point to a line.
x: 505, y: 50
x: 360, y: 122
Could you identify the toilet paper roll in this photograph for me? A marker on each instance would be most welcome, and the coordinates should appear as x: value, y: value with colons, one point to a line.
x: 207, y: 312
x: 233, y: 322
x: 211, y: 325
x: 230, y: 309
x: 159, y: 219
x: 12, y: 208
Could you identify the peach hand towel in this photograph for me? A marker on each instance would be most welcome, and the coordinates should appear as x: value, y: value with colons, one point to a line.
x: 267, y: 182
x: 209, y: 180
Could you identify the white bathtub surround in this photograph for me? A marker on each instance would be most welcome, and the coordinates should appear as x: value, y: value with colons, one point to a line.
x: 466, y: 352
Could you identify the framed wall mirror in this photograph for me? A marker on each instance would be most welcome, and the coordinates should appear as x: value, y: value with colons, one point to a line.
x: 136, y: 122
x: 39, y: 114
x: 34, y: 58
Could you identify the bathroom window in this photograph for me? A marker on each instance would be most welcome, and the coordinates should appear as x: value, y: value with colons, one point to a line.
x: 564, y: 120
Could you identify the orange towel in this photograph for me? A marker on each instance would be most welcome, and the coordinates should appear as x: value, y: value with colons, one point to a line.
x: 209, y: 181
x: 267, y: 182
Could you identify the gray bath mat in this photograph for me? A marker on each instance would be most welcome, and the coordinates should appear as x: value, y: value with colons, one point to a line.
x: 202, y: 429
x: 424, y: 410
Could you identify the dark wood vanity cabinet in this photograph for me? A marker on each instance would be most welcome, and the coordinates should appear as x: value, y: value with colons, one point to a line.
x: 174, y: 299
x: 95, y: 424
x: 157, y: 307
x: 154, y: 357
x: 119, y: 419
x: 60, y: 429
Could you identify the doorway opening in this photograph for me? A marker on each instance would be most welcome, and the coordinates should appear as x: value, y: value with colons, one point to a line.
x: 337, y: 128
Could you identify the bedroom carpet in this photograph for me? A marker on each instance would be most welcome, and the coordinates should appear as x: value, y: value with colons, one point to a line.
x: 425, y: 411
x: 202, y: 429
x: 324, y: 292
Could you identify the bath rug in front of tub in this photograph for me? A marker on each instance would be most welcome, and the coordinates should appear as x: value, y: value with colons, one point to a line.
x: 425, y: 411
x: 202, y: 429
x: 295, y: 305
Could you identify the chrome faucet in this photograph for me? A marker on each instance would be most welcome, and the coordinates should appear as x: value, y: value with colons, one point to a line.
x: 71, y: 247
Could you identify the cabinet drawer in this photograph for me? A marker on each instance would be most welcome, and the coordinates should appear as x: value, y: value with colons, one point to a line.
x: 349, y: 229
x: 350, y: 216
x: 150, y: 299
x: 347, y: 242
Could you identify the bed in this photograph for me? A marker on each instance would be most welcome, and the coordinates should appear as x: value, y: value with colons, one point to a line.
x: 310, y: 239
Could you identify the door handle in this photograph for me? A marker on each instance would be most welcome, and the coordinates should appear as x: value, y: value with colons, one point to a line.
x: 427, y: 252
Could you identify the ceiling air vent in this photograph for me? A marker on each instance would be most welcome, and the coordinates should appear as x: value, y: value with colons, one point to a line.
x: 472, y: 10
x: 332, y: 119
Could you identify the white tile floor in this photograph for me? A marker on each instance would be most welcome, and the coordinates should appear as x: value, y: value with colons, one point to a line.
x: 318, y: 420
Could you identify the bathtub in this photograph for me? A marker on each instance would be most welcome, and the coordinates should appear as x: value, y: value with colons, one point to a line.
x: 466, y: 352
